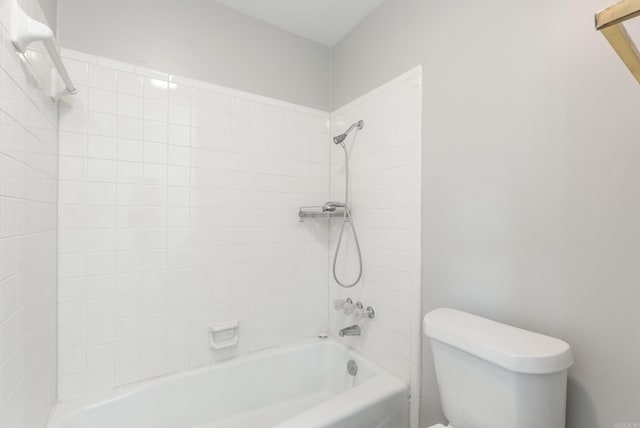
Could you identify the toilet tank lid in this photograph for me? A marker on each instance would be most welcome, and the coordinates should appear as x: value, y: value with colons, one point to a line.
x: 511, y: 348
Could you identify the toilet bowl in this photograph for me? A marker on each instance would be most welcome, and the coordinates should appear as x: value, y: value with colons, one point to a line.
x: 482, y: 365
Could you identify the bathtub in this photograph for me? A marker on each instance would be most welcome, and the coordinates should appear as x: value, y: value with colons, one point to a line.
x: 301, y: 386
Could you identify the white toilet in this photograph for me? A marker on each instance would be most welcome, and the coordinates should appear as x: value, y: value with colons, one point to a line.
x: 492, y: 375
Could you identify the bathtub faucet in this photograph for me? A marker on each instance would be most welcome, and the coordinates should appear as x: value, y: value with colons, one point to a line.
x: 352, y: 330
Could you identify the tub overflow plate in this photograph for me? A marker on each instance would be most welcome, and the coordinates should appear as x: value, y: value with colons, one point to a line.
x: 352, y: 367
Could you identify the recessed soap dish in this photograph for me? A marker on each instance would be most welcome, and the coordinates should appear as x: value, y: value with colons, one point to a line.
x: 223, y: 335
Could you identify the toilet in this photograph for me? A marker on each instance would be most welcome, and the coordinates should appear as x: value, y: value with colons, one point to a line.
x: 491, y: 375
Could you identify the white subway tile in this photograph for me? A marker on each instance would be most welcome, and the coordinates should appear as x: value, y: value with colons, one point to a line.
x: 101, y: 379
x: 129, y: 306
x: 155, y: 153
x: 179, y: 135
x: 29, y: 151
x: 73, y: 386
x: 101, y: 147
x: 73, y: 119
x: 156, y: 110
x: 102, y: 263
x: 72, y: 362
x: 179, y: 94
x: 101, y: 193
x: 174, y: 220
x: 179, y: 114
x: 72, y: 313
x: 100, y: 217
x: 102, y: 77
x: 155, y: 131
x: 103, y: 124
x: 102, y: 310
x: 101, y: 240
x: 102, y: 101
x: 179, y: 155
x: 99, y: 357
x: 128, y: 334
x: 72, y: 144
x: 130, y: 128
x: 72, y: 337
x: 78, y: 71
x: 130, y: 106
x: 156, y: 89
x: 70, y: 265
x: 101, y: 333
x: 130, y: 150
x: 72, y: 289
x: 128, y: 372
x: 101, y: 170
x: 130, y: 84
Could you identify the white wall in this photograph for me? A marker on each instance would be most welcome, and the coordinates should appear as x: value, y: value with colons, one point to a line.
x: 385, y: 199
x: 203, y: 40
x: 530, y: 171
x: 28, y: 195
x: 178, y: 209
x: 50, y: 11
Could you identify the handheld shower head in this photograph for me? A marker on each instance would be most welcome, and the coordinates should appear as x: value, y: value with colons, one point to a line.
x: 340, y: 138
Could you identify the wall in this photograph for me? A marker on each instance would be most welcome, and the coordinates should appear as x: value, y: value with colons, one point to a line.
x: 385, y: 200
x: 178, y: 209
x: 530, y: 154
x: 203, y: 40
x: 28, y: 195
x: 50, y: 10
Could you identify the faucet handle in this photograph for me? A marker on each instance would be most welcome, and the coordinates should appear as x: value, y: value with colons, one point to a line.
x: 348, y: 307
x: 344, y: 305
x: 361, y: 310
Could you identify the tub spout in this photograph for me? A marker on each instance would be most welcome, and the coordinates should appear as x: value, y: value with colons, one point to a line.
x: 352, y: 330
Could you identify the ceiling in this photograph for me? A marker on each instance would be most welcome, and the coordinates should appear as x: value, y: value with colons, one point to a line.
x: 324, y: 21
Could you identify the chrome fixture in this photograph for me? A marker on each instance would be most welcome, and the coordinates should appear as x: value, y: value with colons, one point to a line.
x: 350, y: 308
x: 352, y: 367
x: 340, y: 138
x: 319, y: 212
x: 328, y: 210
x: 347, y: 218
x: 352, y: 330
x: 331, y: 206
x: 368, y: 311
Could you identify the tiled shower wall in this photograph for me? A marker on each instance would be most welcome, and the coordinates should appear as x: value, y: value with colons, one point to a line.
x: 385, y: 160
x: 178, y: 210
x: 28, y: 195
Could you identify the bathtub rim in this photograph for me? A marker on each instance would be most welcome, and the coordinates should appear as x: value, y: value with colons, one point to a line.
x: 382, y: 377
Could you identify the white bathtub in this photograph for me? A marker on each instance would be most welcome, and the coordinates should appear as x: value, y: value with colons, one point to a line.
x: 302, y: 386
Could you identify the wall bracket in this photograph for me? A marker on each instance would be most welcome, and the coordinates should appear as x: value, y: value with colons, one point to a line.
x: 23, y: 31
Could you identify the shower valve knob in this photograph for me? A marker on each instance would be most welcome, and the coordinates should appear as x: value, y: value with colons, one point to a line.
x: 369, y: 312
x: 345, y: 305
x: 348, y: 306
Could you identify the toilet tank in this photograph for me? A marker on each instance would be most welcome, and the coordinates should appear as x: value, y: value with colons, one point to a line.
x: 491, y: 375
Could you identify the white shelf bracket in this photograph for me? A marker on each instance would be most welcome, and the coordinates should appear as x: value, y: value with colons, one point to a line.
x: 24, y: 30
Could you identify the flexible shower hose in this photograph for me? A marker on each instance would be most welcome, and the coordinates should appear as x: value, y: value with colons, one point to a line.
x: 347, y: 218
